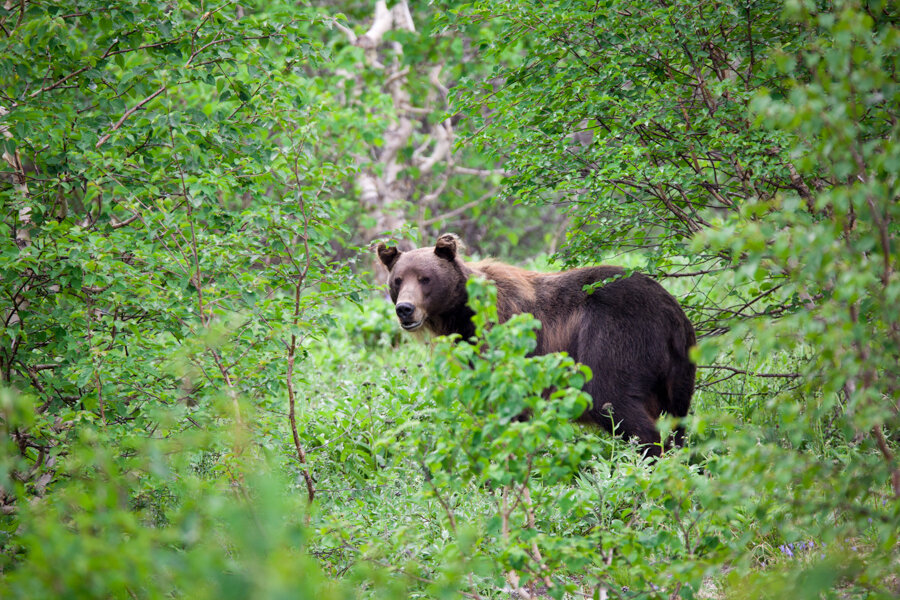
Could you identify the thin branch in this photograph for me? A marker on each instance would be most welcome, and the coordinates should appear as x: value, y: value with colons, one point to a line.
x: 888, y: 458
x: 292, y: 349
x: 481, y: 172
x: 128, y: 113
x: 109, y: 52
x: 345, y: 30
x: 119, y: 224
x: 453, y: 213
x: 750, y: 373
x: 96, y: 367
x: 439, y: 497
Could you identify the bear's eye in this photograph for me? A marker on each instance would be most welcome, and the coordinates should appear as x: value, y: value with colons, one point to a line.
x: 398, y: 281
x: 424, y: 280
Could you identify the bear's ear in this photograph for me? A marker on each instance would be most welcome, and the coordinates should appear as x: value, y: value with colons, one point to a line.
x: 447, y: 246
x: 388, y: 256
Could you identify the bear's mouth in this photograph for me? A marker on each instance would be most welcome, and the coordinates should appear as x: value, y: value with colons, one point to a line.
x: 411, y: 326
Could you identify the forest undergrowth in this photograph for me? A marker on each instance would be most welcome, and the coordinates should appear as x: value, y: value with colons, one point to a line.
x: 203, y: 393
x: 694, y: 525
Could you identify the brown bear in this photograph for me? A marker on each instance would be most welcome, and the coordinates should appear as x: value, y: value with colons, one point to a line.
x: 630, y: 331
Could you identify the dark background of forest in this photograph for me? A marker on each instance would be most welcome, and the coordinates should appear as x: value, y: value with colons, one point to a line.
x: 203, y: 390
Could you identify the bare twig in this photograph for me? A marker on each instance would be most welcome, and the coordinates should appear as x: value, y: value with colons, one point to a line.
x: 115, y: 224
x: 90, y: 340
x: 292, y: 348
x: 512, y: 578
x: 481, y: 172
x: 750, y: 373
x: 351, y: 36
x: 439, y: 497
x: 888, y: 458
x: 128, y: 113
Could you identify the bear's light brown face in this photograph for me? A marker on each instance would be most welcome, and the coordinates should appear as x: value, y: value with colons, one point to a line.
x: 425, y: 282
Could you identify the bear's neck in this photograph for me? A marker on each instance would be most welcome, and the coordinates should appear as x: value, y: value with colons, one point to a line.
x: 516, y: 293
x: 458, y: 321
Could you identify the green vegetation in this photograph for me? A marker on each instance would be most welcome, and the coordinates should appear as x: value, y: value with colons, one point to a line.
x: 203, y: 394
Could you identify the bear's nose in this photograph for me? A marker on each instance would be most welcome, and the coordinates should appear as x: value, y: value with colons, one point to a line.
x: 405, y: 311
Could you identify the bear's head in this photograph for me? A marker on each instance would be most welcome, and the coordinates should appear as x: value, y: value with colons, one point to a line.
x: 426, y: 284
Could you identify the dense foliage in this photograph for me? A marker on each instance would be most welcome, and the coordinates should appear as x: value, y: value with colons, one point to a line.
x: 201, y: 396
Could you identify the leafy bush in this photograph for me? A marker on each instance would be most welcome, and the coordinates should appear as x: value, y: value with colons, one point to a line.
x: 197, y: 399
x: 148, y: 518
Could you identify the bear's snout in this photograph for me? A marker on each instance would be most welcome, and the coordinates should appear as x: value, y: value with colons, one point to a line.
x: 405, y: 311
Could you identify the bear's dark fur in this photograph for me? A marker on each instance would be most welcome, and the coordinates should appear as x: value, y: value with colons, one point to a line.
x: 630, y: 331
